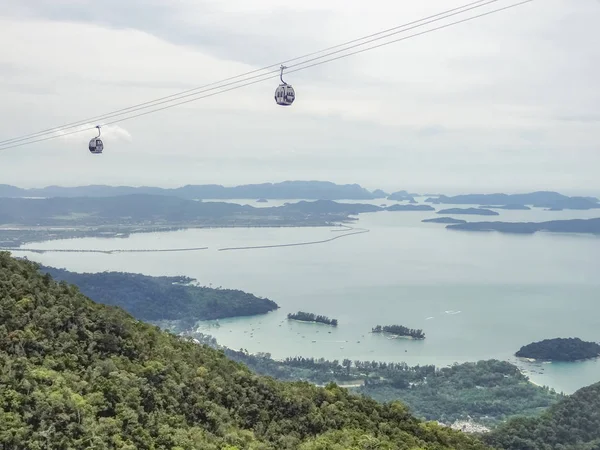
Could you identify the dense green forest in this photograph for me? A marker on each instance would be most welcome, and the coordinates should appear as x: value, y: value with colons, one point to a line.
x: 560, y: 349
x: 399, y: 330
x: 163, y: 298
x: 573, y: 424
x: 310, y: 317
x: 77, y: 374
x: 487, y: 391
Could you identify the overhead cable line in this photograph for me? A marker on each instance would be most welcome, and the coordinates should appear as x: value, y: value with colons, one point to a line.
x: 190, y: 92
x: 267, y: 76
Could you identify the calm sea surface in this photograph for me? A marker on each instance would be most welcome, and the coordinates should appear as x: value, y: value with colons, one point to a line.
x: 476, y: 295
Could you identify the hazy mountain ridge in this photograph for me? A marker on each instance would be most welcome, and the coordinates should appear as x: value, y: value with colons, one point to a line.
x: 313, y: 190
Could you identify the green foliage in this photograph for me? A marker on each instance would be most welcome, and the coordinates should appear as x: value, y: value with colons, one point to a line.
x: 163, y: 298
x: 560, y: 349
x: 76, y: 374
x: 310, y: 317
x: 399, y: 330
x: 487, y: 391
x: 573, y: 423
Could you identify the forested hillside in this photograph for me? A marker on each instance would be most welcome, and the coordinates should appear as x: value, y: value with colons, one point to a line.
x: 572, y: 424
x: 488, y: 392
x: 77, y: 374
x: 163, y: 298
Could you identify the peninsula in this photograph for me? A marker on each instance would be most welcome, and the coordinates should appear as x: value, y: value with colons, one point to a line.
x: 163, y: 298
x: 32, y: 220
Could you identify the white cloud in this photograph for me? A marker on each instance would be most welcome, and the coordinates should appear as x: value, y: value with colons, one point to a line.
x: 109, y: 133
x: 509, y: 101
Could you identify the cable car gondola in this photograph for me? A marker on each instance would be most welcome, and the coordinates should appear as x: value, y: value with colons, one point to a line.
x: 96, y: 145
x: 284, y: 94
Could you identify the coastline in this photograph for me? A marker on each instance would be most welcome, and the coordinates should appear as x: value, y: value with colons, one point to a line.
x: 550, y: 361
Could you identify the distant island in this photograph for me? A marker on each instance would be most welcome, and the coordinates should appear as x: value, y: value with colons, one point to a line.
x: 509, y: 207
x: 34, y: 220
x: 262, y: 200
x: 401, y: 196
x: 587, y: 226
x: 560, y: 349
x: 163, y: 298
x: 378, y: 193
x: 410, y: 208
x: 444, y: 220
x: 325, y: 207
x: 399, y: 330
x: 541, y: 199
x: 310, y: 317
x: 469, y: 211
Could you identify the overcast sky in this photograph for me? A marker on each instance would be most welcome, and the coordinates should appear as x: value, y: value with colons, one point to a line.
x: 508, y: 102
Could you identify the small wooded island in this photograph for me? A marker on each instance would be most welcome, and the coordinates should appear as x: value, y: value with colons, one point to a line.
x: 399, y: 330
x: 444, y: 220
x: 410, y: 208
x: 560, y: 349
x: 469, y: 211
x: 310, y: 317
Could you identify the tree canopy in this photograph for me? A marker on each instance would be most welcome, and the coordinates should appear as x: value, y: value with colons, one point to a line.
x: 560, y: 349
x: 77, y: 374
x: 573, y: 423
x: 163, y: 298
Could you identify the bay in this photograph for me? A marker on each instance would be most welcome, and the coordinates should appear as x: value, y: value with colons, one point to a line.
x: 476, y: 295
